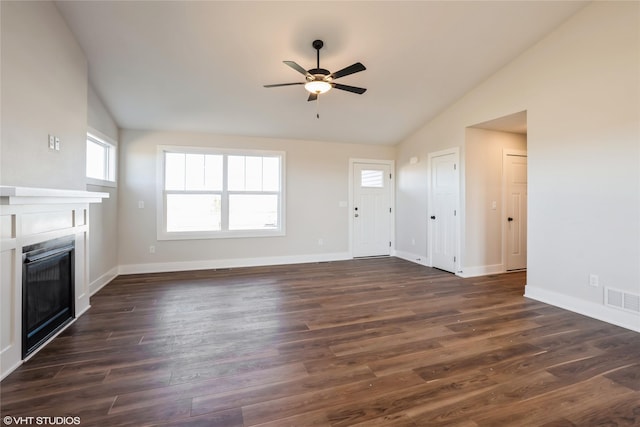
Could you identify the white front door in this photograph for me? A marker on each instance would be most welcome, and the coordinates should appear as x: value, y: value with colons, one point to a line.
x: 371, y: 209
x: 444, y: 194
x: 515, y: 168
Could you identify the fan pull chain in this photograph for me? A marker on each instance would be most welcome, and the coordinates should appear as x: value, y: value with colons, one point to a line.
x: 318, y: 107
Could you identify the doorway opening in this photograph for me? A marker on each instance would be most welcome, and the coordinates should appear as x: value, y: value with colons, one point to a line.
x: 496, y: 196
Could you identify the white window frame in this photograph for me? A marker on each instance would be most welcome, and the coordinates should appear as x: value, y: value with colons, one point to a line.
x: 161, y: 222
x: 110, y: 160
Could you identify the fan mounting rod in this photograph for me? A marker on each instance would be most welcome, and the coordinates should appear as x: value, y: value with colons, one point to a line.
x: 317, y: 45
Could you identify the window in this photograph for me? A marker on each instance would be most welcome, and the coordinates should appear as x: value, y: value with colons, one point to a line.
x: 372, y: 178
x: 209, y: 193
x: 101, y: 159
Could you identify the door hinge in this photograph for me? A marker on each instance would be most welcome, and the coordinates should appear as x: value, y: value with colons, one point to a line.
x: 389, y: 176
x: 455, y: 166
x: 389, y: 243
x: 454, y: 259
x: 455, y: 212
x: 389, y: 210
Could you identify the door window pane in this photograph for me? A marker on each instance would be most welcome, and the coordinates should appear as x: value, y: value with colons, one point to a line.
x: 372, y: 178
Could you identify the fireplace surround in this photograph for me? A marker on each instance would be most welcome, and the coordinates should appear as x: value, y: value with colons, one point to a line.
x: 32, y: 222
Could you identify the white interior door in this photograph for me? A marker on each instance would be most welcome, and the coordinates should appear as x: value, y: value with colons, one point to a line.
x: 371, y: 209
x: 515, y: 167
x: 444, y: 191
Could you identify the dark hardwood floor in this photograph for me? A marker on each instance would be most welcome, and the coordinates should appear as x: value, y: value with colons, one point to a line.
x: 371, y: 342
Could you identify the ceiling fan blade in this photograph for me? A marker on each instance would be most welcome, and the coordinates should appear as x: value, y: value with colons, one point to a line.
x: 358, y: 90
x: 355, y: 68
x: 284, y: 84
x: 298, y: 68
x: 312, y: 97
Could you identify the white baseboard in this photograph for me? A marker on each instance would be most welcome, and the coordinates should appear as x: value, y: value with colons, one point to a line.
x: 230, y: 263
x: 6, y: 371
x: 103, y: 280
x: 616, y: 317
x: 408, y: 256
x: 481, y: 270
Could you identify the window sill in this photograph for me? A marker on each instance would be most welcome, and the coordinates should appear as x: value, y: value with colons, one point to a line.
x: 101, y: 183
x: 200, y: 235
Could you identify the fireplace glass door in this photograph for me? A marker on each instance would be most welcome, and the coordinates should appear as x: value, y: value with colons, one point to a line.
x: 47, y: 291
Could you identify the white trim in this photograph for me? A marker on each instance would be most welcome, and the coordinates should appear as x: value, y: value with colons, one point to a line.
x: 411, y: 257
x: 101, y: 136
x: 620, y: 318
x: 100, y: 183
x: 392, y: 196
x: 35, y: 196
x: 103, y: 281
x: 6, y: 371
x: 15, y: 366
x: 481, y: 270
x: 458, y: 234
x: 164, y: 267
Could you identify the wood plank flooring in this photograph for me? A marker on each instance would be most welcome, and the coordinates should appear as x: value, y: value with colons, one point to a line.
x: 369, y: 342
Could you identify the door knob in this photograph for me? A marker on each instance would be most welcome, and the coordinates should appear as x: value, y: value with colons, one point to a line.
x: 509, y: 219
x: 433, y: 217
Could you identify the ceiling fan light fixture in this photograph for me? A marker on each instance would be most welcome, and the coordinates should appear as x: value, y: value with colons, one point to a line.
x: 320, y: 80
x: 317, y: 86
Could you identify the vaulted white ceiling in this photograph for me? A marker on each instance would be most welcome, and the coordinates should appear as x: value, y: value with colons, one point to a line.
x: 201, y: 66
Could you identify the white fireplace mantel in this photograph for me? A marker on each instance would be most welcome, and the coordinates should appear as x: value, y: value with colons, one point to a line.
x: 29, y: 196
x: 29, y: 216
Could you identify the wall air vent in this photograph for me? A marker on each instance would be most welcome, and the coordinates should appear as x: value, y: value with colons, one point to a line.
x: 622, y: 300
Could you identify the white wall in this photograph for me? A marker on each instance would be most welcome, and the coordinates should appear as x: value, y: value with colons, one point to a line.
x: 103, y: 226
x: 482, y: 252
x: 581, y: 90
x: 99, y: 117
x: 44, y: 91
x: 316, y: 181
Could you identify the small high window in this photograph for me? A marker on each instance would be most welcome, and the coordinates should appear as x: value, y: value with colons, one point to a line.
x: 100, y: 160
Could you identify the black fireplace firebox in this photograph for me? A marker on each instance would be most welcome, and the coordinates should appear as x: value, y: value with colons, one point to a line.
x: 47, y: 290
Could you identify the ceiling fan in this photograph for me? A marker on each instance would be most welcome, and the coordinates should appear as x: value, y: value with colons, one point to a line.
x: 319, y: 80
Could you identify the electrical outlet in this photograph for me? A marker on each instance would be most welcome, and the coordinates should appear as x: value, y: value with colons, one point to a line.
x: 152, y: 249
x: 594, y: 280
x: 52, y: 142
x: 57, y: 143
x: 140, y: 204
x: 320, y: 242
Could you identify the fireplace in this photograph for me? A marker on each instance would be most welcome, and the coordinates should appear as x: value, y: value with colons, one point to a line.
x: 47, y: 290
